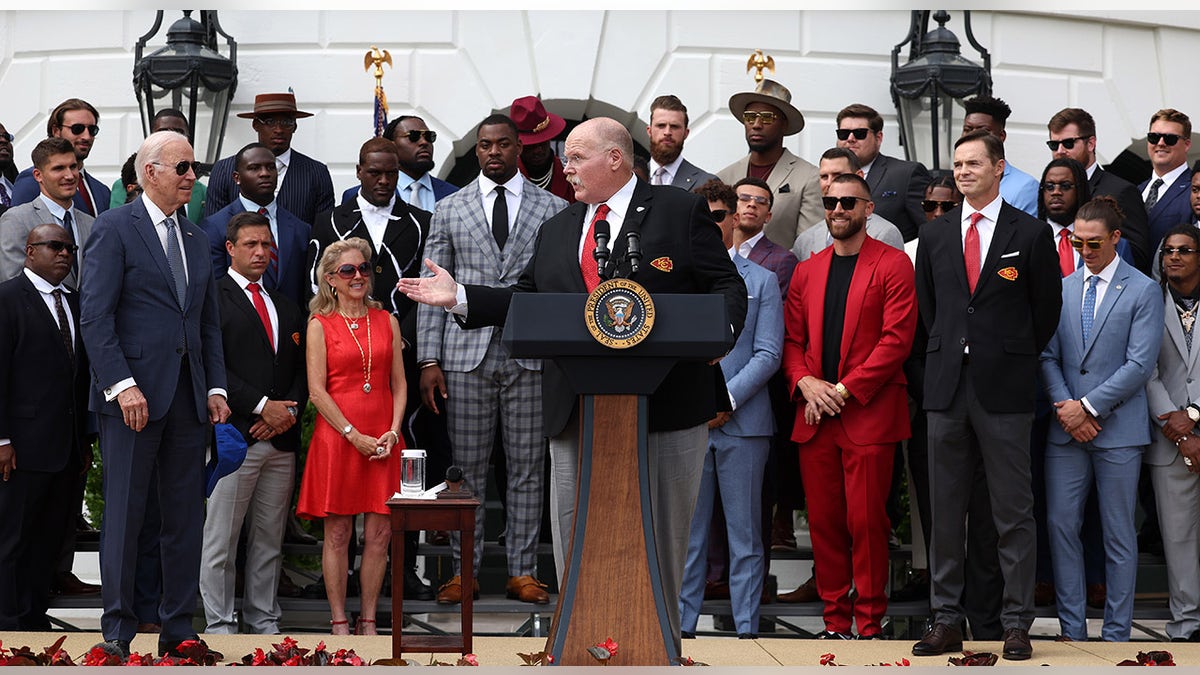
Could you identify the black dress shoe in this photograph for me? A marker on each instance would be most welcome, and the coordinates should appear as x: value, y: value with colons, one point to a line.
x: 747, y: 636
x: 940, y: 639
x: 415, y: 587
x: 870, y: 636
x: 687, y: 635
x: 66, y: 583
x: 115, y: 647
x: 833, y: 635
x: 1016, y: 644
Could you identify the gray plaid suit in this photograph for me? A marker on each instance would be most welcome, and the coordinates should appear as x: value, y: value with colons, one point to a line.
x: 485, y: 386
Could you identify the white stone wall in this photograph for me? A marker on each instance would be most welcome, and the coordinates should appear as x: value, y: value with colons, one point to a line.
x: 455, y: 67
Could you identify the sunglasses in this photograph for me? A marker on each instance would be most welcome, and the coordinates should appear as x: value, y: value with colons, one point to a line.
x: 347, y: 271
x: 1078, y: 244
x: 1181, y: 250
x: 848, y: 203
x: 277, y: 122
x: 1064, y: 186
x: 57, y: 246
x: 78, y: 129
x: 1169, y: 139
x: 766, y: 116
x: 845, y: 134
x: 719, y: 215
x: 182, y: 167
x: 757, y: 199
x: 1067, y: 143
x: 931, y: 205
x: 416, y: 134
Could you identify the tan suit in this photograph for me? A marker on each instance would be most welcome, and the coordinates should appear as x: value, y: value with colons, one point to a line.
x: 797, y: 190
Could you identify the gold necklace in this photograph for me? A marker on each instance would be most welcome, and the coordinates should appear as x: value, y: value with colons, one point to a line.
x: 353, y: 320
x: 365, y: 356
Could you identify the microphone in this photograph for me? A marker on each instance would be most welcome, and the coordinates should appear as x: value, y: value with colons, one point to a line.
x: 633, y: 250
x: 601, y: 251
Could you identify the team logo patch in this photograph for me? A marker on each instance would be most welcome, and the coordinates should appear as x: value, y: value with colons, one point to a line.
x: 1009, y: 273
x: 663, y: 264
x: 619, y: 313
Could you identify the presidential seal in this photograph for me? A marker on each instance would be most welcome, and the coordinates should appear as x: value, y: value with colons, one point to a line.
x: 619, y: 313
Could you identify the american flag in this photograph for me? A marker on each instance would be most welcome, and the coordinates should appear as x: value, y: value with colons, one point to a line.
x: 381, y: 110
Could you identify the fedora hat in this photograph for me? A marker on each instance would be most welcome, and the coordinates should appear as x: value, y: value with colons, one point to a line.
x: 534, y: 123
x: 274, y: 104
x: 773, y: 94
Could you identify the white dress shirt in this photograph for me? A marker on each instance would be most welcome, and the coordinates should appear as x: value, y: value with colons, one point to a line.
x: 281, y: 166
x: 1056, y: 229
x: 271, y: 208
x: 376, y: 218
x: 669, y: 170
x: 513, y: 191
x: 986, y: 227
x: 744, y: 248
x: 1168, y: 180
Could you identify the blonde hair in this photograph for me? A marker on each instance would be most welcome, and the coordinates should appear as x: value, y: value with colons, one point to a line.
x: 325, y: 301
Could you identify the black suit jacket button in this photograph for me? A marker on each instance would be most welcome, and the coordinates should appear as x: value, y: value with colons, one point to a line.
x: 970, y: 310
x: 1189, y: 380
x: 1082, y: 371
x: 962, y: 341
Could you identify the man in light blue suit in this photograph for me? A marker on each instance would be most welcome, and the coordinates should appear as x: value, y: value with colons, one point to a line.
x: 149, y: 320
x: 1095, y: 368
x: 256, y: 177
x: 738, y: 445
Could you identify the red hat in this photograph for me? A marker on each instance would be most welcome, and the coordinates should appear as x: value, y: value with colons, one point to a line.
x: 534, y: 124
x: 274, y: 104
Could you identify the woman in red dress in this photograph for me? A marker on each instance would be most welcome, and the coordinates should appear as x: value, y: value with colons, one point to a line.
x: 356, y: 382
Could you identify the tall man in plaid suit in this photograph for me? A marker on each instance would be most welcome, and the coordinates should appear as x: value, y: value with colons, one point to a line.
x: 485, y: 234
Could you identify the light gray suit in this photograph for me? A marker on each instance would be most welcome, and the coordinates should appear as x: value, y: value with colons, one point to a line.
x: 484, y: 384
x: 795, y: 183
x: 689, y: 176
x: 19, y: 221
x: 816, y: 239
x: 1174, y: 384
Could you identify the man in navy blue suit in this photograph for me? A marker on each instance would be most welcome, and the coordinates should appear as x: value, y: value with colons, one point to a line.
x: 256, y: 177
x: 150, y: 322
x: 79, y: 122
x: 1166, y: 193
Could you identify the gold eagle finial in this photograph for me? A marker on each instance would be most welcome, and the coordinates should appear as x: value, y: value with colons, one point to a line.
x: 377, y: 58
x: 757, y: 63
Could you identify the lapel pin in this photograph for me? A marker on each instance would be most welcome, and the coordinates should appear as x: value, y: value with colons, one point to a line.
x: 1118, y: 287
x: 640, y: 209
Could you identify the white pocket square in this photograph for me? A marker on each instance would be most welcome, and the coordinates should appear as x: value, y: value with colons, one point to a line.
x: 1010, y: 255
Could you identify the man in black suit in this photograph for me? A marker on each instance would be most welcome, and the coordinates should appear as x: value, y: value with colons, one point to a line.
x: 43, y: 413
x: 1073, y: 134
x: 897, y: 186
x: 304, y: 188
x: 683, y: 253
x: 989, y: 290
x: 264, y: 363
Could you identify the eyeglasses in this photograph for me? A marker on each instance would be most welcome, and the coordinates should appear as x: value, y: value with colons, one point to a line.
x: 845, y: 134
x: 1169, y: 139
x: 57, y: 246
x: 1078, y: 244
x: 1068, y: 143
x: 931, y: 205
x: 182, y: 167
x: 416, y: 134
x: 347, y: 271
x: 277, y: 122
x: 757, y: 199
x: 1178, y: 250
x: 848, y: 203
x: 719, y: 215
x: 6, y: 137
x: 1064, y: 186
x: 78, y: 129
x: 764, y: 116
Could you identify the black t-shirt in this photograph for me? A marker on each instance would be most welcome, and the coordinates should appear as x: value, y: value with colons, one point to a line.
x: 841, y: 271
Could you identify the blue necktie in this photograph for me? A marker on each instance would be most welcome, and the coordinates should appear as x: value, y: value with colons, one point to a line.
x: 1089, y: 307
x: 175, y: 261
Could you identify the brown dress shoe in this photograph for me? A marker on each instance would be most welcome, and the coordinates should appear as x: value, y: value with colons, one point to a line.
x: 1016, y: 644
x: 783, y: 532
x: 527, y: 589
x: 66, y: 583
x: 940, y: 639
x: 1096, y: 595
x: 451, y: 592
x: 806, y: 592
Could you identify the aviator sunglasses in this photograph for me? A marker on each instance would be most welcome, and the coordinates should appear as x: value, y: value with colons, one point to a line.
x: 182, y: 167
x: 347, y: 271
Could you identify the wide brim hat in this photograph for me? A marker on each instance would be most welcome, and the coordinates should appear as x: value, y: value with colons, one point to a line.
x: 534, y: 123
x: 773, y: 94
x: 274, y: 104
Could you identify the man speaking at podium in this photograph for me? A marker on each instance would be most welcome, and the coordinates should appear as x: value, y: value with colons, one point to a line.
x: 681, y: 253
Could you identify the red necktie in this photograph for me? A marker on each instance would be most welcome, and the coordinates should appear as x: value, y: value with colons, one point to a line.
x: 262, y: 210
x: 971, y: 251
x: 260, y: 306
x: 86, y: 196
x: 587, y: 262
x: 1066, y: 258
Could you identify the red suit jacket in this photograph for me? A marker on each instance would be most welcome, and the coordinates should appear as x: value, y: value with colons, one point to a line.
x: 881, y: 317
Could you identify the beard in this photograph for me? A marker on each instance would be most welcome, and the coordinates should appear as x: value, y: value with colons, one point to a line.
x: 849, y: 230
x: 664, y: 154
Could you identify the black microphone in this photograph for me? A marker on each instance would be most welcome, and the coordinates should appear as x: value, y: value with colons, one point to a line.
x: 601, y: 251
x: 633, y: 250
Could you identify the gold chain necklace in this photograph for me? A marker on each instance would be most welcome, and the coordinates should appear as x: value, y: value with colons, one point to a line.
x: 365, y: 356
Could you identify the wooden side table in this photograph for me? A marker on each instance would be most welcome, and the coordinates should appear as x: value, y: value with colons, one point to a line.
x: 432, y: 514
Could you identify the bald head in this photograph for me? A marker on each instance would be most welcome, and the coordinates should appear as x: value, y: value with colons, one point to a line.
x: 49, y: 252
x: 599, y: 159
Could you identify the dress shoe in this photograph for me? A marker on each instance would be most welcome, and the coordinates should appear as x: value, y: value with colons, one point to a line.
x: 1096, y: 595
x: 415, y: 587
x: 527, y: 589
x: 115, y: 647
x: 451, y: 592
x: 783, y: 531
x: 288, y: 588
x: 149, y: 628
x: 870, y: 636
x: 940, y: 639
x: 1043, y: 593
x: 1016, y: 644
x: 687, y: 635
x: 1194, y: 636
x: 806, y: 592
x: 66, y: 583
x: 84, y: 530
x: 747, y: 636
x: 294, y: 533
x: 716, y: 590
x: 833, y: 635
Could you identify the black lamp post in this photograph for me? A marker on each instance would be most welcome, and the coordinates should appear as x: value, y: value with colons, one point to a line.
x: 925, y: 89
x: 185, y: 73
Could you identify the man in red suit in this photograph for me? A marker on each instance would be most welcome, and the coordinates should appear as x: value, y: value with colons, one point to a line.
x: 849, y: 319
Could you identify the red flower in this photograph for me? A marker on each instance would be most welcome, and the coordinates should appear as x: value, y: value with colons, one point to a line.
x: 827, y: 659
x: 610, y: 645
x: 468, y: 660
